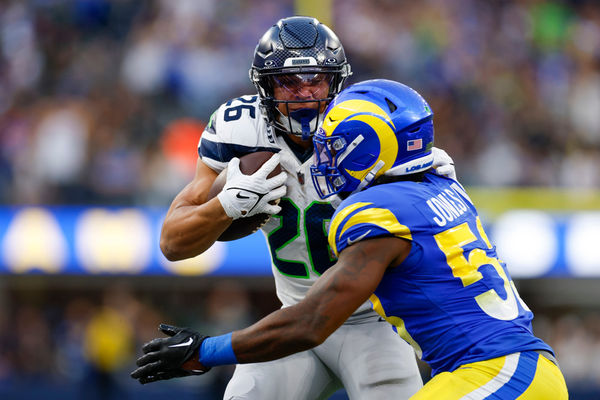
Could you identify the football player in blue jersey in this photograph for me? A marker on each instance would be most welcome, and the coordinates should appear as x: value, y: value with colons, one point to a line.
x: 299, y: 65
x: 412, y: 243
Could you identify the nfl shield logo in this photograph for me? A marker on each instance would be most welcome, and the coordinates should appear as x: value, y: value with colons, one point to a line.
x: 416, y: 144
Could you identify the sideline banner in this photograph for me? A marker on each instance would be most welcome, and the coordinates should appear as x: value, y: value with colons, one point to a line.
x: 111, y: 240
x: 103, y: 240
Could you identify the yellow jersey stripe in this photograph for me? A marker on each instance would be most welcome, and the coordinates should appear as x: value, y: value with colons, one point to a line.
x: 398, y: 323
x: 339, y: 217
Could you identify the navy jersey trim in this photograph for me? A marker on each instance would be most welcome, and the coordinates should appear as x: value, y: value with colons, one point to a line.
x: 224, y: 152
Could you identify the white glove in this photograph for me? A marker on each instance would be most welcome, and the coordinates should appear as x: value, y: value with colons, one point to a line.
x: 246, y: 195
x: 443, y: 163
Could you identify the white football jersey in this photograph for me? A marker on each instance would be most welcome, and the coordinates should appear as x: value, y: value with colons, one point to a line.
x: 297, y: 236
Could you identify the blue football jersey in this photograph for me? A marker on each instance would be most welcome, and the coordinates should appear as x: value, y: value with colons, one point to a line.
x: 452, y: 299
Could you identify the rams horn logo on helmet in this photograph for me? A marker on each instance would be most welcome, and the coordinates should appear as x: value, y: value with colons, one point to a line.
x: 385, y: 128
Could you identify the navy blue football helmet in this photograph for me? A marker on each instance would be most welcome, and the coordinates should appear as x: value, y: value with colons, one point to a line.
x: 295, y: 53
x: 372, y: 128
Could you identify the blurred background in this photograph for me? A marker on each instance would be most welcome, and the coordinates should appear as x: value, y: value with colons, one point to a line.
x: 102, y: 104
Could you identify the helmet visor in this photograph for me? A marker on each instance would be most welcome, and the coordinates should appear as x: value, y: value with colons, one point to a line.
x: 303, y: 86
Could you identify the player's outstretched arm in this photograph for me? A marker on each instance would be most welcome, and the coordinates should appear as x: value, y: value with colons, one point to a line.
x: 329, y: 302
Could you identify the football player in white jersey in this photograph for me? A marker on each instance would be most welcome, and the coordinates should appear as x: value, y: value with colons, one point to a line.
x: 299, y: 66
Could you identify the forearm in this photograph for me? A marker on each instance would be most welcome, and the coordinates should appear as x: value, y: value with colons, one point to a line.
x: 282, y: 333
x: 189, y: 230
x: 327, y: 305
x: 288, y: 330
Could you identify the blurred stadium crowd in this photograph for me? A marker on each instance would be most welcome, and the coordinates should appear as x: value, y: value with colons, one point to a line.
x: 103, y: 102
x: 81, y: 343
x: 99, y: 99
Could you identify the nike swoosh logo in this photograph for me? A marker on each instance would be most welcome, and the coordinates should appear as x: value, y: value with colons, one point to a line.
x: 352, y: 241
x: 189, y: 341
x: 240, y: 196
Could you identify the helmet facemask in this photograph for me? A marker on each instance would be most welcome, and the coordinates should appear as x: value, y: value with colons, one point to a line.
x: 283, y: 91
x: 327, y: 178
x: 300, y: 101
x: 328, y: 163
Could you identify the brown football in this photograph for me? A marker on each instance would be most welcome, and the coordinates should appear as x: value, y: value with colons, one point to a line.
x: 241, y: 227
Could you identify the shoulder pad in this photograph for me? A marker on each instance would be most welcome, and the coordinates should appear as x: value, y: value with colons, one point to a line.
x: 235, y: 128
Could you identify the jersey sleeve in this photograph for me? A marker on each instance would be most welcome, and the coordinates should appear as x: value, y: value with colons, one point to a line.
x: 233, y: 130
x: 358, y: 220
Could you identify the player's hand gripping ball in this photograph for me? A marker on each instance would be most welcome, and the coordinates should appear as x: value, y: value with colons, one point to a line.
x: 263, y: 194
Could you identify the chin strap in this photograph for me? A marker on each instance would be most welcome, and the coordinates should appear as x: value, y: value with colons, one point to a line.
x: 335, y: 200
x: 304, y: 117
x: 370, y: 177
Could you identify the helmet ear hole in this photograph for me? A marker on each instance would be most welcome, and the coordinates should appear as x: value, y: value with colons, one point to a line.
x: 391, y: 105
